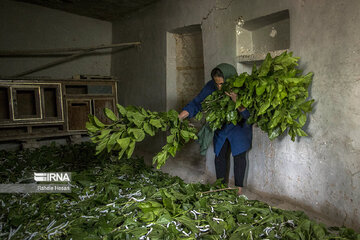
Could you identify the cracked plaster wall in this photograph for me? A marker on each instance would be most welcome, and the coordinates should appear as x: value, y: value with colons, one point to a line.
x: 322, y: 171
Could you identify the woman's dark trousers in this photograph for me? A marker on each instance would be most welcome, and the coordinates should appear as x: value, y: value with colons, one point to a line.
x: 239, y: 165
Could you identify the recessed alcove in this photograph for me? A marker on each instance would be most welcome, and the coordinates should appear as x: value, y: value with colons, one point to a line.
x: 259, y: 36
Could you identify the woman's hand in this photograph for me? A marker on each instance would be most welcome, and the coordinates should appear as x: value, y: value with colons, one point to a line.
x: 184, y: 114
x: 233, y: 97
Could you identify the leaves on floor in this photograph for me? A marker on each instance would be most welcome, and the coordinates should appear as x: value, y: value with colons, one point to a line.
x: 122, y: 199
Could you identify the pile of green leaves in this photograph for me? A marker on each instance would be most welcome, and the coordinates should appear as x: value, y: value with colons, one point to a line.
x: 133, y: 125
x: 114, y: 199
x: 275, y: 95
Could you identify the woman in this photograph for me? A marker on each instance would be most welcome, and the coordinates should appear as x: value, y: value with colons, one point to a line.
x: 238, y: 136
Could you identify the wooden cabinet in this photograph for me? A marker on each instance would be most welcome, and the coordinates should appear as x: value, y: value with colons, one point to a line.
x: 45, y: 108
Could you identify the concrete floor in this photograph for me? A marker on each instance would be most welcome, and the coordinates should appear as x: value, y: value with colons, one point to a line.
x: 288, y: 204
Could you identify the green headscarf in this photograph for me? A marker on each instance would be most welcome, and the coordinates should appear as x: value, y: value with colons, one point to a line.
x: 227, y: 69
x: 205, y: 135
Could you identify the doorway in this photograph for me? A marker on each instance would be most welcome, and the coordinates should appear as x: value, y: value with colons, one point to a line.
x: 185, y: 66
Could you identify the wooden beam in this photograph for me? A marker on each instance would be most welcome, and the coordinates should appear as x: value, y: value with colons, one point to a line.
x: 62, y: 60
x: 66, y: 59
x: 62, y: 51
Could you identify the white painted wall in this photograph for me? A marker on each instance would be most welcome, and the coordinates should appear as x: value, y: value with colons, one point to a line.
x: 26, y: 26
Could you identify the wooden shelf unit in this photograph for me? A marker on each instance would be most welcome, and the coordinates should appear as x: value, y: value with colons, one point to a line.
x: 45, y: 108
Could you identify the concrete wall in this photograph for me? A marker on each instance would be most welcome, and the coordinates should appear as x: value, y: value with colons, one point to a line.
x: 322, y: 171
x: 25, y: 26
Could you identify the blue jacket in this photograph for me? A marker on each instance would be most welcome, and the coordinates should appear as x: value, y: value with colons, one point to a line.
x: 240, y: 137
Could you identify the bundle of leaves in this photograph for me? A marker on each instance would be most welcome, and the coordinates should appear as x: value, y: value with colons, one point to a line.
x: 133, y: 125
x: 275, y: 95
x: 124, y: 199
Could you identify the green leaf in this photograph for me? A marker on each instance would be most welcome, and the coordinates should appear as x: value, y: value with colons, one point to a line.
x: 121, y: 153
x: 217, y: 227
x: 98, y: 123
x: 286, y: 60
x: 319, y: 231
x: 300, y: 132
x: 138, y: 123
x: 131, y: 148
x: 260, y: 89
x: 302, y: 119
x: 170, y: 138
x: 110, y: 114
x: 91, y: 128
x: 169, y: 204
x: 239, y: 81
x: 121, y: 109
x: 138, y: 116
x: 199, y: 116
x: 278, y: 67
x: 156, y: 123
x: 138, y: 134
x: 263, y: 108
x: 275, y: 121
x: 112, y: 140
x: 123, y: 142
x: 160, y: 159
x: 173, y: 115
x: 274, y: 133
x: 238, y: 103
x: 265, y: 66
x: 147, y: 217
x: 254, y: 69
x: 172, y: 150
x: 190, y: 224
x: 164, y: 219
x: 308, y: 78
x: 104, y: 133
x: 148, y: 129
x: 283, y: 126
x: 101, y: 146
x: 185, y: 135
x: 306, y: 106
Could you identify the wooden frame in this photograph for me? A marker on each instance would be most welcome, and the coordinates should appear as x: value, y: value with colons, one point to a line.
x: 14, y: 101
x: 58, y: 99
x: 67, y: 110
x: 40, y: 119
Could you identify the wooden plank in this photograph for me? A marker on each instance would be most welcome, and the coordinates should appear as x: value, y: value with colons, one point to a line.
x: 40, y: 136
x: 78, y: 111
x: 25, y: 123
x: 62, y: 60
x: 62, y: 51
x: 25, y: 80
x: 45, y: 66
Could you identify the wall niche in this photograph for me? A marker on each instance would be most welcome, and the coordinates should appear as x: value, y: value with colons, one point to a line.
x: 259, y: 36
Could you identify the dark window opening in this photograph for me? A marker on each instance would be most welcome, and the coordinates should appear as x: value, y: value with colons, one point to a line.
x: 4, y: 104
x: 50, y: 102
